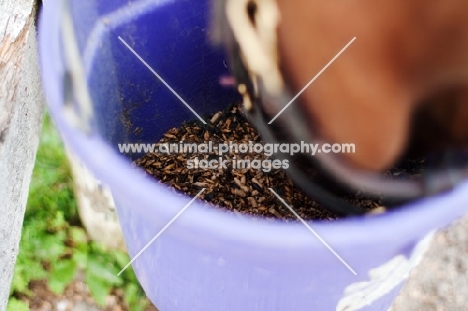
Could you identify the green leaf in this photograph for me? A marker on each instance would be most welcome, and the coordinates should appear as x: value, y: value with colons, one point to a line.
x: 99, y: 290
x: 26, y: 270
x: 19, y: 283
x: 104, y: 272
x: 131, y: 292
x: 122, y: 259
x: 62, y: 273
x: 17, y: 305
x: 59, y: 220
x: 80, y: 256
x: 134, y: 296
x: 52, y: 247
x: 79, y: 235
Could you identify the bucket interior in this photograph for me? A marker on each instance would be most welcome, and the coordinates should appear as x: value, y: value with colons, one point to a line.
x: 131, y: 103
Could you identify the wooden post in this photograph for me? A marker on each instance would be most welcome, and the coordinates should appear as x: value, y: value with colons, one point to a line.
x: 21, y: 109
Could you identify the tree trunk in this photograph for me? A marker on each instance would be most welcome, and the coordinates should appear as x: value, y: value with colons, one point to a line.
x: 21, y: 108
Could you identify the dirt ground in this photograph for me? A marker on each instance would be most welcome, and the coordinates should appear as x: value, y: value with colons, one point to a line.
x: 75, y: 298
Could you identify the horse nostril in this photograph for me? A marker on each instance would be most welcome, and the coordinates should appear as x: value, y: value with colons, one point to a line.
x: 252, y: 11
x: 441, y: 121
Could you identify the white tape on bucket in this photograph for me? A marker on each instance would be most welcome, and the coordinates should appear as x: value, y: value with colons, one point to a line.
x: 383, y: 279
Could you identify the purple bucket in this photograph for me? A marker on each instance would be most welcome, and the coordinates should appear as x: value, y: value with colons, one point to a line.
x: 208, y: 259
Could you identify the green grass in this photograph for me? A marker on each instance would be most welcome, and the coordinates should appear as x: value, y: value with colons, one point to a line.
x: 52, y: 230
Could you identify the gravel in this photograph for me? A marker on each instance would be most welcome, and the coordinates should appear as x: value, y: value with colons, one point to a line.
x: 440, y: 282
